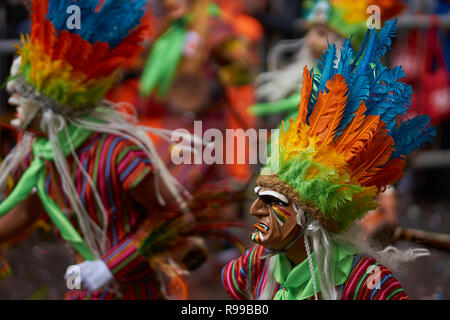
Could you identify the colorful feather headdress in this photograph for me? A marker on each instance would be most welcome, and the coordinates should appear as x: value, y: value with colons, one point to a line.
x: 349, y: 139
x: 72, y: 69
x: 349, y: 17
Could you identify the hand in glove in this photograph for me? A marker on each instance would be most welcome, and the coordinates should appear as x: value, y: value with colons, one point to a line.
x: 93, y: 274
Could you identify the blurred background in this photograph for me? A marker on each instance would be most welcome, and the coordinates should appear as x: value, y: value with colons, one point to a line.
x: 244, y: 75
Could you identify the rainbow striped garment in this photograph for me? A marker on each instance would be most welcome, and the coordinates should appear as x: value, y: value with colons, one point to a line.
x: 250, y: 277
x: 116, y: 166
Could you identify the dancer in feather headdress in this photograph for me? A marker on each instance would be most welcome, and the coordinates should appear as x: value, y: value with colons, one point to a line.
x: 347, y: 143
x: 92, y: 170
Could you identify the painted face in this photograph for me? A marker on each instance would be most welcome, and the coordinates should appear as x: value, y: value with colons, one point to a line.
x: 276, y: 223
x: 26, y: 109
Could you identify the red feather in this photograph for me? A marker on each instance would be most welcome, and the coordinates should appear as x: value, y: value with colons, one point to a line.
x: 391, y: 173
x: 373, y: 157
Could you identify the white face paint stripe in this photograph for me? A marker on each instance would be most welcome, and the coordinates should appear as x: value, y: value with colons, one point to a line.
x: 261, y: 238
x: 274, y: 194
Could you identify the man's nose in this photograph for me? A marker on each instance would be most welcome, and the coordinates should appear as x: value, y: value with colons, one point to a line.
x: 259, y: 208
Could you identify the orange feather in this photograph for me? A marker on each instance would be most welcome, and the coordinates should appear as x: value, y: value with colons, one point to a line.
x: 305, y: 95
x: 358, y: 132
x: 392, y: 172
x: 329, y: 109
x: 373, y: 157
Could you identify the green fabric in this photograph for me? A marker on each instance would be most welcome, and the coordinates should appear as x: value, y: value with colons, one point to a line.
x: 289, y: 104
x: 34, y: 176
x: 165, y: 56
x: 297, y: 283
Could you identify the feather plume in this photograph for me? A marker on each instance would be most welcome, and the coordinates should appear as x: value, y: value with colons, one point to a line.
x: 389, y: 97
x: 358, y: 91
x: 364, y: 63
x: 347, y: 57
x: 358, y: 134
x: 411, y: 135
x: 328, y: 111
x: 111, y: 24
x: 326, y: 72
x: 305, y: 95
x: 76, y: 68
x: 384, y: 39
x: 373, y: 157
x: 391, y: 173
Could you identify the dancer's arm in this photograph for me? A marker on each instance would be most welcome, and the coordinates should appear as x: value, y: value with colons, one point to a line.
x: 20, y: 218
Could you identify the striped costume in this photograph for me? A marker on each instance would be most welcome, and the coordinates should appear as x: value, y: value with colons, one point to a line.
x: 116, y: 165
x: 250, y: 277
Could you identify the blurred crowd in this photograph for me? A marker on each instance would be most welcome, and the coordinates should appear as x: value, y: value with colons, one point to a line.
x: 240, y: 68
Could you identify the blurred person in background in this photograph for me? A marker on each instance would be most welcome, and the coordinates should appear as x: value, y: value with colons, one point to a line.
x: 84, y: 163
x: 199, y: 67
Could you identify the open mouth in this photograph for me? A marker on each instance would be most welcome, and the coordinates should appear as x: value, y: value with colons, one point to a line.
x: 261, y: 227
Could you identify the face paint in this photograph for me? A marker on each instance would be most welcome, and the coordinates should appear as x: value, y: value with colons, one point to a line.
x: 281, y: 214
x: 276, y: 223
x: 281, y: 198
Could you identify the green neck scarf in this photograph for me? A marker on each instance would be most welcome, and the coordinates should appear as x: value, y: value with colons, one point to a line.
x: 297, y: 283
x: 34, y: 177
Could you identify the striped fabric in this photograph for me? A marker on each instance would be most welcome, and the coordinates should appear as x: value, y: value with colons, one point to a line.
x: 144, y: 289
x: 116, y: 166
x: 247, y: 277
x: 361, y: 283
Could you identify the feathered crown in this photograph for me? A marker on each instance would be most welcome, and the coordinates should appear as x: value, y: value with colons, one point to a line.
x: 350, y: 138
x: 349, y: 17
x: 70, y: 69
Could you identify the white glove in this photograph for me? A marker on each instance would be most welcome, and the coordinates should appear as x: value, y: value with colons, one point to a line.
x: 93, y: 274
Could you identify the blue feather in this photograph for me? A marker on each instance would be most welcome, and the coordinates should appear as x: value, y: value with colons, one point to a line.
x: 389, y: 97
x: 347, y: 57
x: 361, y: 50
x: 358, y: 91
x: 327, y: 71
x: 384, y: 39
x: 411, y: 135
x: 328, y: 67
x: 378, y: 86
x: 364, y: 63
x: 114, y: 22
